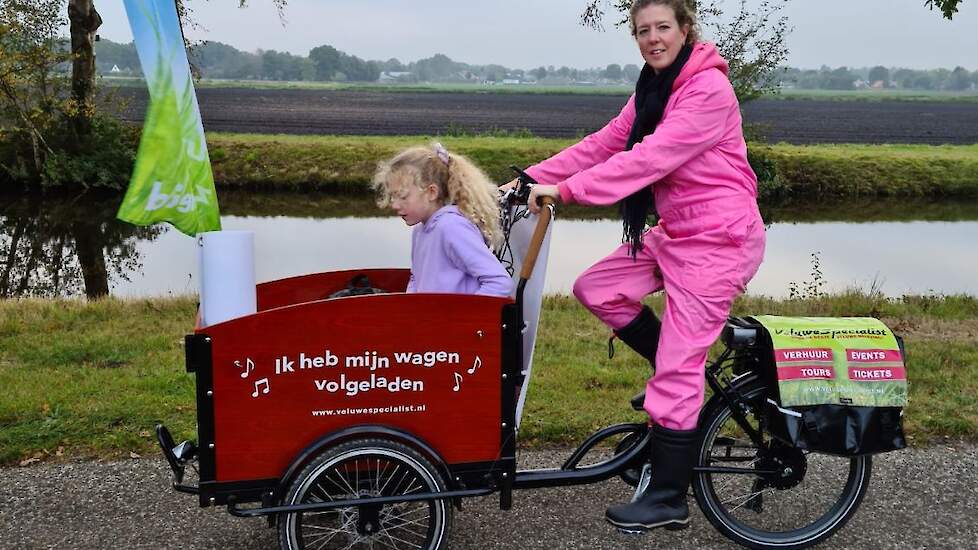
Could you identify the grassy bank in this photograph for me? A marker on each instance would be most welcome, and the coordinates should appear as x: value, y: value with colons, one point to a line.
x: 346, y: 163
x: 866, y: 170
x: 92, y: 379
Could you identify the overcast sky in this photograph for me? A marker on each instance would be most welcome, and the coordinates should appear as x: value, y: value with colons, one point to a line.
x: 529, y: 33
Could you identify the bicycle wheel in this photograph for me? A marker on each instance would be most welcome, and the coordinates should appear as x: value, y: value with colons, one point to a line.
x: 359, y: 469
x: 808, y: 498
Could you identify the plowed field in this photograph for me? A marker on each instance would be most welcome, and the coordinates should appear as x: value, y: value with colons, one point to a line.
x: 414, y: 113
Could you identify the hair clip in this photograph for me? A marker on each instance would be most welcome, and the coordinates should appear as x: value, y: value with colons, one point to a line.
x: 442, y: 153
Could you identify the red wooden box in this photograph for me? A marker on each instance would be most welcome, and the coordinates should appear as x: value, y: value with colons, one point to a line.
x: 272, y: 384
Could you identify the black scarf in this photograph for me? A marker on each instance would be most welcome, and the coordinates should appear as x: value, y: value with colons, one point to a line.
x: 652, y: 92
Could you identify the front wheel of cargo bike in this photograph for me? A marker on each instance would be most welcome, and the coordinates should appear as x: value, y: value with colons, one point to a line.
x: 361, y: 469
x: 810, y: 496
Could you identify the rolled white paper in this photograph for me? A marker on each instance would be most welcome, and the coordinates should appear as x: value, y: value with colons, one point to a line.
x: 227, y: 275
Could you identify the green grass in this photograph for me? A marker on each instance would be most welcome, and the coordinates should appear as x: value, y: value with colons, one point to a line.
x: 870, y: 170
x: 86, y: 380
x: 346, y: 164
x: 91, y: 378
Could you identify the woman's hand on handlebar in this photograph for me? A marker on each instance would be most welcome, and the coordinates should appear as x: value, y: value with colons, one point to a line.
x: 538, y: 192
x: 508, y: 186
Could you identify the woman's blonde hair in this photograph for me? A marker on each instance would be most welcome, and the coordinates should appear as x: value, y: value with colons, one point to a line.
x: 459, y: 182
x: 685, y: 11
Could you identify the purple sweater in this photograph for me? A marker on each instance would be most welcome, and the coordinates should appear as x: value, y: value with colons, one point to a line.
x: 448, y: 254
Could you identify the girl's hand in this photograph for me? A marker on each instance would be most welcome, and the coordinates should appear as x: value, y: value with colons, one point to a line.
x: 539, y: 191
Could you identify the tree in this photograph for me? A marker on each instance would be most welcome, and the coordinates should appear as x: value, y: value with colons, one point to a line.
x: 923, y: 81
x: 31, y: 90
x: 540, y: 73
x: 631, y: 72
x: 84, y: 22
x: 840, y: 79
x: 327, y: 61
x: 941, y: 78
x: 960, y: 79
x: 948, y: 7
x: 612, y: 72
x: 753, y: 41
x: 879, y: 73
x: 904, y: 77
x: 436, y: 67
x: 494, y: 73
x: 391, y: 65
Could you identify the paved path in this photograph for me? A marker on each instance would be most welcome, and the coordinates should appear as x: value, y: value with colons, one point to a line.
x: 919, y: 499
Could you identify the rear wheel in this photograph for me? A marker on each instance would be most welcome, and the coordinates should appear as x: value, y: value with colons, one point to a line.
x: 361, y: 469
x: 806, y: 498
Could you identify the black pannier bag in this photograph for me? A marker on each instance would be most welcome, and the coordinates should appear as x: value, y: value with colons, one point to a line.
x: 840, y: 424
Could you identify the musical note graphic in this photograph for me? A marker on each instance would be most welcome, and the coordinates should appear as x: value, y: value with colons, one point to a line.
x: 475, y: 365
x: 260, y: 383
x: 458, y: 381
x: 248, y: 367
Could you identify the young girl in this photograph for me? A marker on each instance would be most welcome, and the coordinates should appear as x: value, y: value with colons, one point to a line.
x: 452, y: 206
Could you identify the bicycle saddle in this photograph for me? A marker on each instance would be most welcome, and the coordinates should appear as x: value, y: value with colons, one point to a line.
x: 739, y: 333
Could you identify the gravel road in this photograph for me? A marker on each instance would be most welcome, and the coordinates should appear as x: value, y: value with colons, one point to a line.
x: 920, y: 498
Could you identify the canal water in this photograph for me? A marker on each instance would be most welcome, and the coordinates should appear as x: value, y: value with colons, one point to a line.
x: 895, y: 257
x: 59, y: 247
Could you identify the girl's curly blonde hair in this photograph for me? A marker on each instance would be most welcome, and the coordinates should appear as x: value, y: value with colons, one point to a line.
x: 459, y: 182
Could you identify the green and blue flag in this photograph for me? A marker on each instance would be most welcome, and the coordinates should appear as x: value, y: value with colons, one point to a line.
x: 172, y: 179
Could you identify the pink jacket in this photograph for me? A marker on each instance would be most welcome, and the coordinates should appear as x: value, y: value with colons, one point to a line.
x: 697, y: 152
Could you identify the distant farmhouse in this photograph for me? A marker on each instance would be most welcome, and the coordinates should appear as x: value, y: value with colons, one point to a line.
x: 395, y: 76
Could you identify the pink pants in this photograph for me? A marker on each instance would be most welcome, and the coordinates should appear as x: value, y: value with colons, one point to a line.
x: 703, y: 256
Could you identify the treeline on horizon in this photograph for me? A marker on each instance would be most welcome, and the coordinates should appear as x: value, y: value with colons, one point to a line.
x: 327, y: 64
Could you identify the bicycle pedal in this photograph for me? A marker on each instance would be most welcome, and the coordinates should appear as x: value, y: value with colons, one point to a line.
x: 630, y: 532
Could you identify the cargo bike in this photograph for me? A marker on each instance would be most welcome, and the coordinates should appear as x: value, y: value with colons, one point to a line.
x: 353, y: 415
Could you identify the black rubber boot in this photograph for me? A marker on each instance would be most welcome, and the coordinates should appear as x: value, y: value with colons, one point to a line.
x: 663, y: 504
x: 642, y: 335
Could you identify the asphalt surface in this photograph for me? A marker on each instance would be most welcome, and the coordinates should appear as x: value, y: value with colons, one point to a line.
x: 920, y: 498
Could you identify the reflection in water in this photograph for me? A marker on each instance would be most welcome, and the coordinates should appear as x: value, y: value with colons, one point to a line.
x: 66, y: 246
x: 899, y: 258
x: 75, y: 246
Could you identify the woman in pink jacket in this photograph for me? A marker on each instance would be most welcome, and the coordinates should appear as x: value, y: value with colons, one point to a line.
x: 676, y: 149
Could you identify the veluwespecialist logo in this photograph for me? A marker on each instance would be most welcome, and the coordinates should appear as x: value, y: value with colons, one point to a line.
x: 810, y: 333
